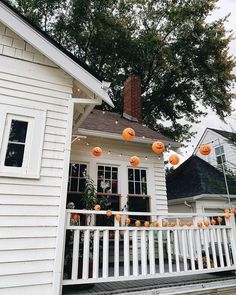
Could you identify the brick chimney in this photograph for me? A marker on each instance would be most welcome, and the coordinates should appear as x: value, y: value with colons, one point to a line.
x: 132, y: 99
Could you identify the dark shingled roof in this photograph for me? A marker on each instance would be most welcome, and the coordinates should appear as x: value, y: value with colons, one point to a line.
x: 106, y: 122
x: 195, y: 177
x: 225, y: 134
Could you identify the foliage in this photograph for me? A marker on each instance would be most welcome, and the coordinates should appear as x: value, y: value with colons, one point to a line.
x: 181, y: 57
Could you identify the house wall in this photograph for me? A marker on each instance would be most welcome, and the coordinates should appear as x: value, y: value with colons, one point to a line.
x: 181, y: 208
x: 29, y: 208
x: 121, y: 152
x: 230, y: 151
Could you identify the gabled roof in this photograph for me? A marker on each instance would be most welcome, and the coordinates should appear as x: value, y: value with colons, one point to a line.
x: 195, y: 177
x: 223, y: 133
x: 113, y: 123
x: 53, y: 50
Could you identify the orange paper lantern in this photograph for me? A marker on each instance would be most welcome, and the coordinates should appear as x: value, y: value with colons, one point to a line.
x: 233, y: 211
x: 128, y: 133
x: 213, y: 222
x: 227, y: 216
x: 174, y: 159
x: 219, y: 219
x: 127, y: 221
x: 181, y: 224
x: 227, y: 210
x: 199, y: 224
x: 146, y: 224
x: 138, y: 223
x: 173, y: 224
x: 204, y: 149
x: 158, y: 147
x: 164, y: 223
x: 118, y: 218
x: 155, y: 224
x: 75, y: 216
x: 189, y: 223
x: 206, y: 223
x: 97, y: 207
x: 134, y: 161
x: 109, y: 213
x: 97, y: 151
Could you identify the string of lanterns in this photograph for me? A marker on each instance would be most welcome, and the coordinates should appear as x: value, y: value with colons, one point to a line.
x: 158, y: 148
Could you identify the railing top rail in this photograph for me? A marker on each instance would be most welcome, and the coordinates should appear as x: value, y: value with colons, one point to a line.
x: 167, y: 215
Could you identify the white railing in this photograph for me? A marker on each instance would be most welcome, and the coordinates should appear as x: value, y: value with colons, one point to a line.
x: 180, y: 244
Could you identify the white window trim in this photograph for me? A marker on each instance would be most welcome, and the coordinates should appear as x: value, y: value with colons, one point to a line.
x: 34, y: 141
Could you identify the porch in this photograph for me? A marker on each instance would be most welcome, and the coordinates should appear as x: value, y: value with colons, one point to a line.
x: 170, y: 246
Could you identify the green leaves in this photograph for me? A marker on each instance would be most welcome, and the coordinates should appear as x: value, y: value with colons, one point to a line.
x: 182, y: 59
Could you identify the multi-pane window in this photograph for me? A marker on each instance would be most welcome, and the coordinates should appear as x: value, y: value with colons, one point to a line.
x: 107, y: 179
x: 137, y: 181
x: 77, y: 177
x: 16, y: 144
x: 220, y: 155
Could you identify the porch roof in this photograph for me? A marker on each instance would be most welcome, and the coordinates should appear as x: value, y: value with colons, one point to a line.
x: 114, y: 123
x: 196, y: 177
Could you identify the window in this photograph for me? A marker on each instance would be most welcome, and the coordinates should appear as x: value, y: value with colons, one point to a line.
x: 76, y: 184
x: 220, y: 155
x: 21, y: 141
x: 138, y: 200
x: 107, y: 189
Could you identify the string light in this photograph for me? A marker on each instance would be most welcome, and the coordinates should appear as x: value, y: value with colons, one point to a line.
x: 109, y: 152
x: 103, y: 112
x: 87, y: 143
x: 146, y: 158
x: 116, y: 122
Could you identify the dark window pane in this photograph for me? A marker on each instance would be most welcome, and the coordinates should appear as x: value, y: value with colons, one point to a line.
x: 131, y: 188
x: 138, y: 204
x: 137, y: 175
x: 83, y: 171
x: 114, y: 186
x: 130, y: 174
x: 107, y: 186
x: 18, y: 131
x: 144, y: 188
x: 74, y: 185
x: 14, y: 155
x: 107, y: 168
x: 143, y: 175
x: 75, y: 170
x: 100, y: 174
x: 114, y: 174
x: 70, y: 169
x: 81, y: 185
x: 108, y: 174
x: 99, y: 187
x: 137, y: 188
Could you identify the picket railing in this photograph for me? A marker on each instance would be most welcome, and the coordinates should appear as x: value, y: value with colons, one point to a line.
x: 181, y: 244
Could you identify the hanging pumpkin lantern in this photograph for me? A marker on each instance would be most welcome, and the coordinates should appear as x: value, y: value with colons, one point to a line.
x: 219, y: 219
x: 109, y: 213
x: 128, y: 133
x: 155, y: 224
x: 205, y: 149
x: 75, y: 217
x: 158, y: 147
x: 206, y: 223
x: 213, y: 222
x: 173, y: 224
x: 227, y: 216
x: 138, y: 223
x: 199, y: 224
x: 164, y: 223
x: 134, y: 161
x: 174, y: 159
x: 181, y: 224
x: 97, y: 151
x: 227, y: 211
x: 233, y: 211
x: 127, y: 221
x: 97, y: 207
x: 118, y: 218
x: 189, y: 223
x: 146, y: 223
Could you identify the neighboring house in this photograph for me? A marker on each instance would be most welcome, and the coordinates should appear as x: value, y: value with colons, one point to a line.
x: 44, y: 90
x: 222, y: 149
x: 196, y: 186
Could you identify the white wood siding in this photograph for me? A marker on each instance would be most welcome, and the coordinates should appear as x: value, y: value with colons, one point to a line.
x: 29, y: 208
x: 121, y: 152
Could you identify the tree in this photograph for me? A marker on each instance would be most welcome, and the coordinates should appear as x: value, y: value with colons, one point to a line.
x: 182, y: 59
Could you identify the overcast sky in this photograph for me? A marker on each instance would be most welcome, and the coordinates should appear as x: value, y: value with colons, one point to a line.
x: 225, y: 7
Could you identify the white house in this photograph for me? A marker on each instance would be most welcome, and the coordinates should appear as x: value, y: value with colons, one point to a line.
x: 222, y: 150
x: 47, y: 130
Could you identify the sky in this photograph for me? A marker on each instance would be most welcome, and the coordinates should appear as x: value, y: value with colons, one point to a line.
x: 211, y: 120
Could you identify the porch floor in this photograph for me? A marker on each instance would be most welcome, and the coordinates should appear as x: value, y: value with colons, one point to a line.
x: 150, y: 284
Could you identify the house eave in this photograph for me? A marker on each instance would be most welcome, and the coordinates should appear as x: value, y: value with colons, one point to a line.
x: 116, y: 136
x: 12, y: 20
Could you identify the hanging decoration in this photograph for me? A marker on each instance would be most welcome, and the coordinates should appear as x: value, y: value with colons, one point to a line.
x: 134, y: 161
x: 146, y: 223
x: 206, y: 223
x: 227, y: 210
x: 97, y: 151
x: 174, y: 159
x: 109, y: 213
x: 127, y: 221
x: 128, y: 134
x: 97, y: 207
x: 118, y: 217
x: 158, y: 147
x: 75, y: 217
x: 173, y: 224
x: 213, y: 222
x: 205, y: 149
x: 227, y: 216
x: 138, y: 223
x: 199, y: 224
x: 164, y: 223
x: 219, y: 219
x: 155, y: 224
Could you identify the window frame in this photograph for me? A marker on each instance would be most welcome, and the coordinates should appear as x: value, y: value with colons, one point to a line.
x: 69, y: 177
x: 221, y: 155
x: 33, y: 144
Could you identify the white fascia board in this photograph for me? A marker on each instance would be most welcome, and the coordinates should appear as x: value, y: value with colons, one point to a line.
x: 116, y: 136
x: 26, y: 32
x: 180, y: 200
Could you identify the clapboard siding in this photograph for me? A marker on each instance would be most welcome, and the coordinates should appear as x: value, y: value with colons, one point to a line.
x: 29, y: 208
